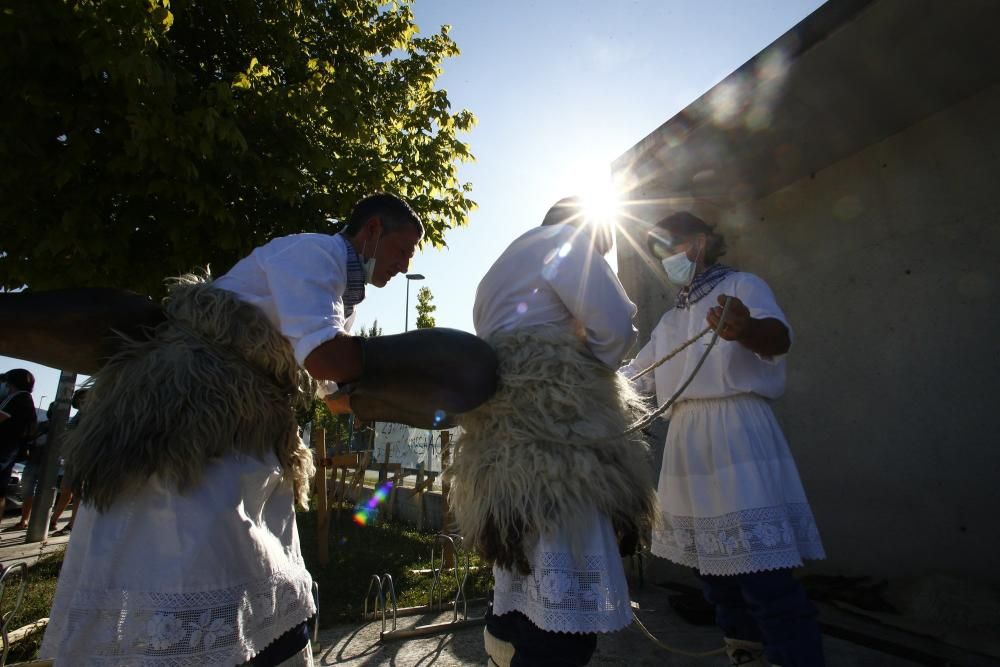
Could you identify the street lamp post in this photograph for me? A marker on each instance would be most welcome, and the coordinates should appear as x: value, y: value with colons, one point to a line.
x: 406, y: 316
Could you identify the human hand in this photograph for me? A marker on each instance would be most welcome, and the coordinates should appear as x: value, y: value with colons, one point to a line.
x: 737, y: 322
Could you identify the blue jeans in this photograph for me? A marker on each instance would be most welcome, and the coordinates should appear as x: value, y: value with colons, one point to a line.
x: 769, y: 607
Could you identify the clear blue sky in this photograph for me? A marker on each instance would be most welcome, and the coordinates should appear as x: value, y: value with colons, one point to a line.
x: 560, y: 90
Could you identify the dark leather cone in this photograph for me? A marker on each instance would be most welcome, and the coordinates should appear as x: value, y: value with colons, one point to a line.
x: 72, y: 329
x: 424, y: 378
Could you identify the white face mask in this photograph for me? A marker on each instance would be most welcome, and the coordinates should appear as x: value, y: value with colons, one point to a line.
x: 369, y: 264
x: 680, y: 270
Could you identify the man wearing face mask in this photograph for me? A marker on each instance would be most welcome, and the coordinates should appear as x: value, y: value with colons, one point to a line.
x: 189, y: 461
x: 544, y: 484
x: 732, y: 505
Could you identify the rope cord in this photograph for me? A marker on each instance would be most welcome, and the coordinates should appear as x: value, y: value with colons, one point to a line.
x: 673, y: 649
x: 673, y: 354
x: 644, y: 423
x: 649, y: 420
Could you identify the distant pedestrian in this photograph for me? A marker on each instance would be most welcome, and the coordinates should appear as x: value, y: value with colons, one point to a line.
x: 65, y: 488
x: 17, y: 422
x: 32, y: 472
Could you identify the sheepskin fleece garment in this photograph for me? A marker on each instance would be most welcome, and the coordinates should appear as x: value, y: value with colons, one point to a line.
x: 216, y: 378
x: 548, y: 447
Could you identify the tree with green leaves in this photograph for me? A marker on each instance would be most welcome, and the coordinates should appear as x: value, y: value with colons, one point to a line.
x: 143, y: 138
x: 372, y: 331
x: 424, y: 308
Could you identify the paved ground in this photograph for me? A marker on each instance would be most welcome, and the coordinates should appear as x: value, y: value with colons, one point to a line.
x: 13, y: 548
x: 851, y: 640
x: 358, y: 646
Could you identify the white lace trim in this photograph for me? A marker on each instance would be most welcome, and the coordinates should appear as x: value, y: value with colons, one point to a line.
x: 751, y: 540
x: 561, y: 594
x: 199, y: 629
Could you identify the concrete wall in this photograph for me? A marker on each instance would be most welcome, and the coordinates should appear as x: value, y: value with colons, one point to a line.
x: 888, y: 265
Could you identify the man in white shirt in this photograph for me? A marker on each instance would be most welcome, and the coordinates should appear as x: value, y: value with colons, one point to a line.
x: 544, y: 482
x: 731, y: 501
x: 189, y: 461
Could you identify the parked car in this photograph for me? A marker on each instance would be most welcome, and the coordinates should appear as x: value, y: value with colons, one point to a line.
x: 15, y: 496
x: 15, y: 493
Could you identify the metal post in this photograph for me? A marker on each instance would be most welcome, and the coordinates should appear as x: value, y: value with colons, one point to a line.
x: 38, y: 525
x: 322, y: 499
x: 406, y: 314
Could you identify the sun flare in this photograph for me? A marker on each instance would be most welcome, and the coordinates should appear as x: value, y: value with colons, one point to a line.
x: 602, y: 204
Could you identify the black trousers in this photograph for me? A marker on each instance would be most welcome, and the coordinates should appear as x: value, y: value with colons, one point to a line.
x: 282, y: 648
x: 534, y: 647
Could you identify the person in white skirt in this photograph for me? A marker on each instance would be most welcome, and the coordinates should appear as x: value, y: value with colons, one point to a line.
x: 731, y: 501
x: 543, y: 481
x: 186, y: 550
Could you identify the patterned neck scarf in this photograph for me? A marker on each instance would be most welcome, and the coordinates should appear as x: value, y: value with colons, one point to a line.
x: 355, y: 292
x: 702, y: 284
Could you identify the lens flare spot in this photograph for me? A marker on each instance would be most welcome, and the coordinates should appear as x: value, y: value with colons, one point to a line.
x: 522, y: 308
x: 364, y: 512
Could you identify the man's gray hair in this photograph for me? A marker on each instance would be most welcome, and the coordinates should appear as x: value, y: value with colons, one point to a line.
x: 390, y: 209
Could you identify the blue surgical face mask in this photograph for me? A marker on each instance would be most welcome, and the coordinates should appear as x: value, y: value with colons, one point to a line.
x: 680, y: 270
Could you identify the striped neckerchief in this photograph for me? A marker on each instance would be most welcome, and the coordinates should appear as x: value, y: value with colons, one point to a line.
x: 702, y: 284
x: 355, y: 291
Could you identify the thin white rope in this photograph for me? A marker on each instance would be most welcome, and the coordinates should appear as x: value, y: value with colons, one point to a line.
x: 673, y: 354
x: 674, y: 649
x: 643, y: 423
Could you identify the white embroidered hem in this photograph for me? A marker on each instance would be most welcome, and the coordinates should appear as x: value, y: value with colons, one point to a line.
x: 755, y: 540
x: 563, y: 593
x: 731, y: 501
x: 155, y: 629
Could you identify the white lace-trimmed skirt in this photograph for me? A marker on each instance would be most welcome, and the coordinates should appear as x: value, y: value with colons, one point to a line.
x: 730, y: 494
x: 201, y: 579
x: 586, y: 593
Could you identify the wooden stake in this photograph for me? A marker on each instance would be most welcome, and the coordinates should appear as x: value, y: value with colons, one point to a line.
x: 448, y: 554
x: 322, y: 500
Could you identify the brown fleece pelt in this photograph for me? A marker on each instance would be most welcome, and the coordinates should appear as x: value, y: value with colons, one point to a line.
x: 216, y: 378
x: 547, y: 447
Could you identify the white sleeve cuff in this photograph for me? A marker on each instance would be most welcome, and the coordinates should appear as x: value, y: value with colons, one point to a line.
x: 326, y: 388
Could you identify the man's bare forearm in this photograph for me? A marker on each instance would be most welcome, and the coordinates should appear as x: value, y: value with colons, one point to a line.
x: 768, y: 337
x: 338, y: 359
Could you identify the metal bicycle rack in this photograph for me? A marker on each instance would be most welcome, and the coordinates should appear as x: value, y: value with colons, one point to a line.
x: 385, y: 595
x: 6, y: 617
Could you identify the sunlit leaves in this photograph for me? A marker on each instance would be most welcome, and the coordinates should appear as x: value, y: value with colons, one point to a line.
x: 143, y: 138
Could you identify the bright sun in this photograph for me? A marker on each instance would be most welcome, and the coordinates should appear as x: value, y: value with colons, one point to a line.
x: 602, y: 204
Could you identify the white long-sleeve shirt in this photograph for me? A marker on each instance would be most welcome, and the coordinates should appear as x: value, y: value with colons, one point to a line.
x: 299, y: 282
x: 730, y: 369
x: 549, y: 276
